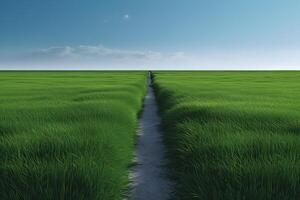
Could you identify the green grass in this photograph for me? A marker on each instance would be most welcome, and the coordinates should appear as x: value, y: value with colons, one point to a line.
x: 232, y: 135
x: 67, y: 135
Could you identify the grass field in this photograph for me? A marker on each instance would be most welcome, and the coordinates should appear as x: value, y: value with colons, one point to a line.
x: 67, y: 135
x: 232, y: 135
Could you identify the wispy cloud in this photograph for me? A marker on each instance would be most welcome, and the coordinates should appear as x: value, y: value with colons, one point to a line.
x: 98, y: 56
x: 100, y: 52
x: 126, y: 17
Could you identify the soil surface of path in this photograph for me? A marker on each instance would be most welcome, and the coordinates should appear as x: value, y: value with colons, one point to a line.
x: 149, y: 177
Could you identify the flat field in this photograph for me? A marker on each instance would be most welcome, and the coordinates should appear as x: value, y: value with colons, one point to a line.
x: 232, y: 135
x: 67, y: 135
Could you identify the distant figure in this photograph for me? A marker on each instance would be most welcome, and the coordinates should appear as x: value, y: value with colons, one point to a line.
x: 149, y: 78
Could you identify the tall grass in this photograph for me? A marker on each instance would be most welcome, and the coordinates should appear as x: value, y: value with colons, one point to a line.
x: 67, y: 135
x: 232, y: 135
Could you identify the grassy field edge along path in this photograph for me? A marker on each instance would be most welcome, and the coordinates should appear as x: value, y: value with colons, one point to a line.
x: 68, y: 135
x: 232, y: 135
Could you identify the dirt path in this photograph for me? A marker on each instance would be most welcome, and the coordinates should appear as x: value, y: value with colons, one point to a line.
x: 149, y: 175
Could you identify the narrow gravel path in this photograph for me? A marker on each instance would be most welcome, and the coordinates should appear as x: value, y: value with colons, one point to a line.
x: 149, y: 175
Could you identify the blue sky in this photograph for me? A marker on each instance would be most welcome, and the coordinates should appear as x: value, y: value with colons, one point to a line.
x: 196, y: 34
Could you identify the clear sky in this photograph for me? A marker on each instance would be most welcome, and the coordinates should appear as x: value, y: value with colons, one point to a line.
x: 195, y: 34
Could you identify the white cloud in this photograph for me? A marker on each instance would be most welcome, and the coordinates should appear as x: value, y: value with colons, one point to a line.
x: 99, y: 52
x: 126, y: 17
x: 99, y: 56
